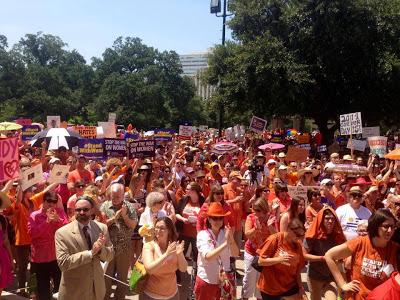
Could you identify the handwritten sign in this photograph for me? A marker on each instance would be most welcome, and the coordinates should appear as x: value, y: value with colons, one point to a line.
x: 114, y: 148
x: 303, y: 138
x: 350, y: 124
x: 29, y: 131
x: 378, y: 144
x: 300, y: 192
x: 53, y: 121
x: 257, y: 124
x: 185, y: 132
x: 296, y: 154
x: 142, y: 148
x: 358, y: 145
x: 32, y: 176
x: 9, y: 159
x: 108, y: 129
x: 91, y: 148
x: 59, y: 174
x: 370, y: 131
x: 87, y: 132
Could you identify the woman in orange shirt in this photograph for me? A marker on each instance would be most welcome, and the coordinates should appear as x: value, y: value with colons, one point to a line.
x: 282, y: 259
x: 314, y: 198
x: 374, y: 257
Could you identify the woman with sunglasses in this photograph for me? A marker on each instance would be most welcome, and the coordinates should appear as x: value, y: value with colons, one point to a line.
x: 257, y: 229
x: 281, y: 257
x: 295, y: 211
x: 307, y: 176
x: 161, y: 258
x: 323, y: 234
x: 181, y: 191
x: 216, y: 195
x: 374, y: 257
x: 215, y: 245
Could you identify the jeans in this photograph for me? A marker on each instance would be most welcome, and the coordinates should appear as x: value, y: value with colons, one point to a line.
x: 44, y: 272
x: 22, y: 259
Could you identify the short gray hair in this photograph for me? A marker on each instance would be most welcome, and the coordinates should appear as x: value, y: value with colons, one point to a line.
x: 154, y: 197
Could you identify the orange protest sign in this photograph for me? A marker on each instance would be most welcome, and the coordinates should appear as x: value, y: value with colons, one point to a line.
x: 87, y: 132
x: 296, y: 154
x: 303, y: 138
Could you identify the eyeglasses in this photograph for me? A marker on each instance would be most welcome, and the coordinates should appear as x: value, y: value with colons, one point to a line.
x: 160, y: 228
x: 387, y: 226
x: 84, y: 209
x: 178, y: 163
x: 216, y: 218
x: 52, y: 201
x: 357, y: 195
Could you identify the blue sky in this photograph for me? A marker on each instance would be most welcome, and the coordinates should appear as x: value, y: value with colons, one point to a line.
x: 90, y: 26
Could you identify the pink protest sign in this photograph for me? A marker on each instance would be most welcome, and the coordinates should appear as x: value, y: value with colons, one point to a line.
x: 9, y: 159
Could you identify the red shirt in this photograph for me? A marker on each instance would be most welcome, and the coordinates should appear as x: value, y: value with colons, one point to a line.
x: 389, y: 290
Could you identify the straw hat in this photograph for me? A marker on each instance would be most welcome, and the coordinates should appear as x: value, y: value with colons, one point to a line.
x: 236, y: 174
x: 355, y: 190
x: 216, y: 210
x: 314, y: 172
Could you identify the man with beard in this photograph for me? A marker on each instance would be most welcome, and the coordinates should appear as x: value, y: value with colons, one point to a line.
x: 80, y: 246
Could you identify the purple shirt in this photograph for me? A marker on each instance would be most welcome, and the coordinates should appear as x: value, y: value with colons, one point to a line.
x: 42, y: 233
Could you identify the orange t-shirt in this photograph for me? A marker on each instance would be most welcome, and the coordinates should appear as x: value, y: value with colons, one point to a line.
x: 20, y: 218
x: 279, y: 278
x: 83, y: 175
x: 367, y: 263
x: 237, y: 207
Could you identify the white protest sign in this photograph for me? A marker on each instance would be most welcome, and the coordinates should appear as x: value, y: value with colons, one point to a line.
x: 300, y: 192
x: 378, y: 145
x: 358, y: 145
x: 31, y: 176
x: 108, y: 129
x: 186, y: 131
x: 350, y: 124
x: 53, y: 121
x: 370, y: 131
x: 257, y: 124
x: 203, y: 128
x: 112, y: 117
x: 59, y: 174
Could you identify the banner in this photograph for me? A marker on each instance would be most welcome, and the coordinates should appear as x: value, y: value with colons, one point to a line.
x: 91, y: 148
x: 322, y: 148
x: 377, y: 144
x: 29, y: 131
x: 59, y: 174
x: 130, y: 137
x: 32, y: 176
x: 108, y: 129
x: 53, y: 121
x: 358, y: 145
x: 257, y: 124
x: 296, y: 154
x: 350, y: 124
x: 142, y: 148
x: 370, y: 132
x: 9, y: 159
x: 87, y: 132
x: 163, y: 134
x: 114, y: 148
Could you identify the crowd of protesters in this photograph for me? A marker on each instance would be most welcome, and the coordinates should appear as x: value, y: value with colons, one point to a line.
x: 188, y: 205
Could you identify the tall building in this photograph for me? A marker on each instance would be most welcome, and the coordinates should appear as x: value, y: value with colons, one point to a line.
x: 193, y: 65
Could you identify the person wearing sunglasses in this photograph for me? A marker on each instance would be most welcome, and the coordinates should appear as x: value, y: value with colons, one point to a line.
x: 374, y: 257
x: 281, y: 257
x: 42, y: 226
x: 352, y: 213
x: 215, y: 245
x: 81, y: 245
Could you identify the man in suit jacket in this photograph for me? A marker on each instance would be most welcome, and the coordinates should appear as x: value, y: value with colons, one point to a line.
x: 80, y: 246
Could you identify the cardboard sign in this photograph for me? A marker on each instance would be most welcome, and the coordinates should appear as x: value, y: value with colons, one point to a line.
x: 322, y: 148
x: 370, y: 132
x: 29, y: 131
x: 300, y: 192
x: 23, y: 122
x: 32, y: 176
x: 108, y: 129
x: 114, y: 148
x: 257, y: 124
x: 87, y: 132
x: 9, y: 159
x: 163, y: 134
x: 350, y: 124
x: 358, y: 145
x: 303, y: 138
x: 296, y: 154
x: 91, y: 148
x: 130, y: 137
x: 58, y: 174
x: 53, y: 121
x: 112, y: 117
x: 185, y: 132
x: 203, y: 128
x: 142, y: 148
x: 304, y: 146
x: 378, y: 144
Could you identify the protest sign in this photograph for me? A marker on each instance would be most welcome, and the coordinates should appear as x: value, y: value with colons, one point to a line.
x: 370, y: 131
x: 377, y: 144
x: 9, y: 159
x: 114, y: 148
x: 203, y: 128
x: 31, y: 176
x: 130, y: 137
x: 108, y: 129
x: 296, y: 154
x: 358, y: 145
x: 87, y: 132
x: 53, y: 121
x: 163, y: 134
x: 304, y: 146
x: 142, y: 148
x: 23, y: 122
x: 185, y: 132
x: 350, y: 124
x: 303, y: 138
x: 322, y: 148
x: 112, y: 117
x: 91, y: 148
x: 257, y: 124
x: 59, y: 174
x: 277, y: 138
x: 29, y: 131
x: 300, y: 192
